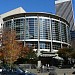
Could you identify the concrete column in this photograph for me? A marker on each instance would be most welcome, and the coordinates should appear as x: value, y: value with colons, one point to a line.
x: 39, y: 64
x: 38, y: 51
x: 51, y: 35
x: 61, y: 34
x: 24, y: 30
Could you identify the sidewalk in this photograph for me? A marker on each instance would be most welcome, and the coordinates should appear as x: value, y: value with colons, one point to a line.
x: 58, y: 71
x: 66, y: 71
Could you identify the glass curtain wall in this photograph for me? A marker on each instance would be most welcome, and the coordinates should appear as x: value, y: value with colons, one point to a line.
x: 51, y: 31
x: 56, y: 33
x: 19, y: 27
x: 63, y: 32
x: 8, y: 24
x: 44, y: 33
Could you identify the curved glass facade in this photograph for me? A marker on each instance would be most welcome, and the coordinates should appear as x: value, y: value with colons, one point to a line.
x: 47, y: 31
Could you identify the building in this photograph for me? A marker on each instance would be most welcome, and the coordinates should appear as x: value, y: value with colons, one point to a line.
x: 12, y: 12
x: 1, y: 28
x: 44, y: 31
x: 64, y: 8
x: 73, y: 39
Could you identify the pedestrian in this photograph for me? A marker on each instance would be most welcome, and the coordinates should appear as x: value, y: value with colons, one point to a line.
x: 64, y: 73
x: 48, y: 65
x: 43, y: 68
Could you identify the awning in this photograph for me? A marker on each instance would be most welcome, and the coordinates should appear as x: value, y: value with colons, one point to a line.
x: 58, y: 58
x: 47, y: 55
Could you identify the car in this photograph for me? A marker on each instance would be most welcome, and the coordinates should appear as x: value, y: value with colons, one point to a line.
x: 30, y: 74
x: 73, y: 72
x: 15, y: 71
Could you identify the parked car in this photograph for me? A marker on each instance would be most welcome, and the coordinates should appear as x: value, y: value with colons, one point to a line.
x: 15, y: 71
x: 73, y: 72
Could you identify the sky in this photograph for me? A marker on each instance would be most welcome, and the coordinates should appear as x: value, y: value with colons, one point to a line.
x: 28, y: 5
x: 73, y: 1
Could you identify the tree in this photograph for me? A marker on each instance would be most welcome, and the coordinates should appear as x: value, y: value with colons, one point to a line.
x: 72, y: 54
x: 24, y: 51
x: 27, y: 54
x: 64, y: 52
x: 31, y: 54
x: 1, y: 54
x: 11, y: 49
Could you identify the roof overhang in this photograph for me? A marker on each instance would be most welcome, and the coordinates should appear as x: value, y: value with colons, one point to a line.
x: 60, y: 1
x: 13, y: 12
x: 35, y: 14
x: 48, y: 54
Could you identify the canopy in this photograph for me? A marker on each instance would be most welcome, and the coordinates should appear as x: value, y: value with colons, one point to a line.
x: 59, y: 58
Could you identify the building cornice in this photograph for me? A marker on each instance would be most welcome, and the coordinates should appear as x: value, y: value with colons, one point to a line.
x: 35, y: 14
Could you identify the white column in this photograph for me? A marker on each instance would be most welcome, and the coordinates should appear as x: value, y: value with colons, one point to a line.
x: 51, y: 35
x: 24, y: 30
x: 61, y: 34
x: 39, y: 64
x: 38, y: 51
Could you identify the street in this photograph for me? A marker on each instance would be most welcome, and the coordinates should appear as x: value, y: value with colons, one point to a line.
x: 58, y: 71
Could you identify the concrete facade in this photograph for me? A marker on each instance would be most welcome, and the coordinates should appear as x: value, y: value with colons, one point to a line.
x: 64, y: 9
x: 46, y: 32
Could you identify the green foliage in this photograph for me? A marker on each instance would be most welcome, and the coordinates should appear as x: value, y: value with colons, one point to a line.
x: 72, y: 54
x: 31, y: 54
x: 28, y: 55
x: 65, y: 52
